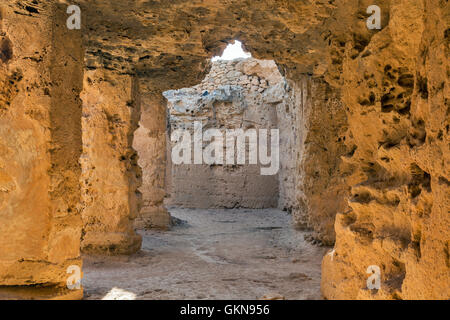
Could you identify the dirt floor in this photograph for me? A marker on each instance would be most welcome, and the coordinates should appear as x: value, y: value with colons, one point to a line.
x: 213, y: 254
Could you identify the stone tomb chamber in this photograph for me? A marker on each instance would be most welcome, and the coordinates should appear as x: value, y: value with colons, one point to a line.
x: 89, y: 192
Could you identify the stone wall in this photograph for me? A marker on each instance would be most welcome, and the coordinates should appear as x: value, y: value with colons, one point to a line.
x: 230, y: 97
x: 281, y: 97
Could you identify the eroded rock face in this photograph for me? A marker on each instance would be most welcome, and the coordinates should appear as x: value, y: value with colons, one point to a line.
x: 397, y: 93
x: 110, y: 173
x: 41, y: 70
x: 320, y: 189
x: 170, y: 42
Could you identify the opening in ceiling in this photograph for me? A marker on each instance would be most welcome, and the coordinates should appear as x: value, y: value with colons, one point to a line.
x: 233, y: 51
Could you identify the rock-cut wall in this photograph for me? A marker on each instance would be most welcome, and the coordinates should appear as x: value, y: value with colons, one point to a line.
x: 315, y: 176
x: 110, y: 173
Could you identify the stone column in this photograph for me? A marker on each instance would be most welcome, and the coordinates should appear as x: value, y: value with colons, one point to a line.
x: 110, y: 173
x: 150, y: 141
x: 321, y: 188
x: 41, y: 67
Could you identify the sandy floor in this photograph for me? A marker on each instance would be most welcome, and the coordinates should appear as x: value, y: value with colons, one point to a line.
x: 213, y: 254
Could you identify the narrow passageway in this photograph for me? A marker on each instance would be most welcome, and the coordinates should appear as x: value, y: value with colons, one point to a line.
x: 213, y: 254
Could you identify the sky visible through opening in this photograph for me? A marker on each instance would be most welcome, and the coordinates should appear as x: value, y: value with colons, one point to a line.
x: 233, y: 51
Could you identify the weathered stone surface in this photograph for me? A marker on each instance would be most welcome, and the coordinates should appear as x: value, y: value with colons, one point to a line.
x: 150, y: 143
x: 110, y: 173
x: 264, y: 71
x: 170, y: 42
x: 321, y: 189
x: 41, y: 70
x: 397, y: 93
x: 282, y: 97
x: 227, y: 104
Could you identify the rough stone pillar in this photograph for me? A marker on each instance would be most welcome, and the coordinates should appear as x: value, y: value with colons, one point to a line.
x: 397, y: 231
x: 321, y: 125
x: 150, y: 141
x: 41, y: 67
x: 110, y: 174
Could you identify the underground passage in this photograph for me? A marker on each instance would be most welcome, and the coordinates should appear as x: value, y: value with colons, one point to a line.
x: 224, y: 150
